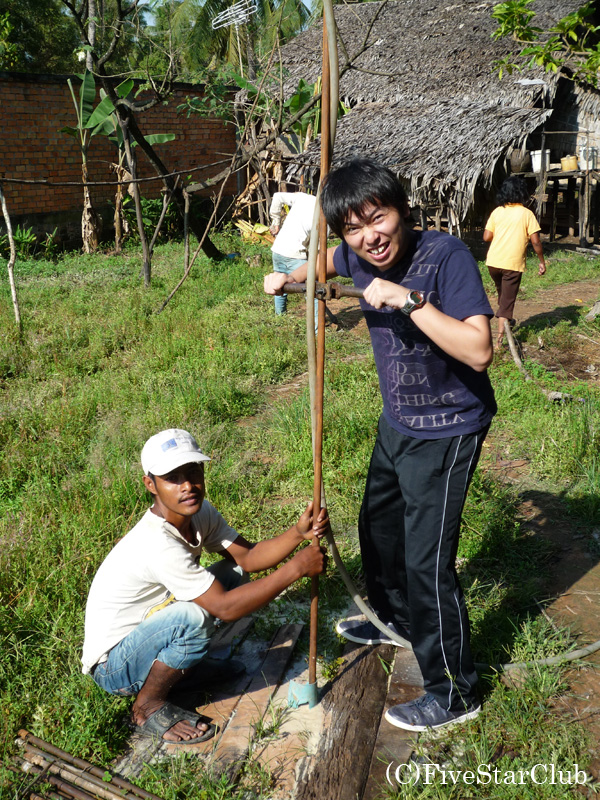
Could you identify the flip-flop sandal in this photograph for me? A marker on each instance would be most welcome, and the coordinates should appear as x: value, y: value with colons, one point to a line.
x: 163, y: 719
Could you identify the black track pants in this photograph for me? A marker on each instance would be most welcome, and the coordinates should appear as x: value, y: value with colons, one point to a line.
x: 409, y: 526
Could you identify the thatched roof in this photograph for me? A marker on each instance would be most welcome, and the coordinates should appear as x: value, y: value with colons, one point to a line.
x: 424, y: 96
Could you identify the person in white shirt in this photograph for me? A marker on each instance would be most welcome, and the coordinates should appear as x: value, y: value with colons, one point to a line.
x: 152, y: 606
x: 290, y: 249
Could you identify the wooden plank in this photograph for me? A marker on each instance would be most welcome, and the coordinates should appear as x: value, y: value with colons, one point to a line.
x: 219, y: 711
x: 394, y: 745
x: 233, y: 744
x: 295, y: 747
x: 353, y: 707
x: 228, y: 638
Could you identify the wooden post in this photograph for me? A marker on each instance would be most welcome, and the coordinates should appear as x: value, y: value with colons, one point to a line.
x: 12, y: 258
x: 596, y: 214
x: 570, y: 202
x: 552, y: 199
x: 582, y: 217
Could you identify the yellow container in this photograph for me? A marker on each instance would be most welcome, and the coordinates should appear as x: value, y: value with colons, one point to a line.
x: 569, y: 164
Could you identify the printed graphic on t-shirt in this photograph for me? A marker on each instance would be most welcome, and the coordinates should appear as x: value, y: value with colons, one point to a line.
x: 170, y: 598
x: 426, y: 393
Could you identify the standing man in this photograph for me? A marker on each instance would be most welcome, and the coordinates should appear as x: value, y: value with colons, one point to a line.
x: 290, y: 249
x: 428, y: 316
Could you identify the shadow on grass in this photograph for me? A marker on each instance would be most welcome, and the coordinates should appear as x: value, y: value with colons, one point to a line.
x: 550, y: 319
x: 519, y: 569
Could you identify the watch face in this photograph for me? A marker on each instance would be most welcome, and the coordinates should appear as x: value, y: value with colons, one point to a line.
x: 414, y: 299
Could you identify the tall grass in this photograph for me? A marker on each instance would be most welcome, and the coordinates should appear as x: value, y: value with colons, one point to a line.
x: 96, y: 371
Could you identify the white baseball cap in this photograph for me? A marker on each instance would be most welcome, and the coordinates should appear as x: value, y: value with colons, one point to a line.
x: 167, y: 450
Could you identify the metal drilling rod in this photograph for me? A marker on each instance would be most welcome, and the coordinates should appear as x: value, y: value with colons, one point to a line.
x: 85, y: 765
x: 332, y: 290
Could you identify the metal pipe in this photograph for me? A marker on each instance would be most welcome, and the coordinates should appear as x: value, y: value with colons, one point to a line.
x: 85, y: 765
x: 78, y: 776
x: 62, y: 786
x: 332, y: 290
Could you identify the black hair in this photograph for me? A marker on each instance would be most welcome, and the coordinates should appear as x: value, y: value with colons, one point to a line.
x: 356, y: 184
x: 513, y: 190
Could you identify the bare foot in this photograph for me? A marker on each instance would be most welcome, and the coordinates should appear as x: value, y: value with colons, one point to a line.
x: 180, y: 732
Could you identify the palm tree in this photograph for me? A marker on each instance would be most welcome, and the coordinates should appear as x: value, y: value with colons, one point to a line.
x: 245, y: 47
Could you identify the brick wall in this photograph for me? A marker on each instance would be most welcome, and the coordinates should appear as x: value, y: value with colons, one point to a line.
x: 33, y: 109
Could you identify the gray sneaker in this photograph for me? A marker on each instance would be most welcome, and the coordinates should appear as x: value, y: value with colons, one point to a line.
x: 426, y: 712
x: 364, y: 632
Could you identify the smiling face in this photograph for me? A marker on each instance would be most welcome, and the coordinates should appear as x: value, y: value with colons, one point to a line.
x: 378, y: 235
x: 179, y: 494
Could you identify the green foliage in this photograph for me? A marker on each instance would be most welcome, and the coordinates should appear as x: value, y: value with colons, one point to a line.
x: 84, y: 110
x: 37, y: 37
x: 572, y: 45
x: 186, y: 29
x: 8, y: 50
x: 27, y: 244
x: 514, y: 19
x: 151, y: 210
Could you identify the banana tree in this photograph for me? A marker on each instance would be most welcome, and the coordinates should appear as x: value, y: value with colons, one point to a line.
x: 105, y: 116
x: 84, y: 107
x: 105, y: 119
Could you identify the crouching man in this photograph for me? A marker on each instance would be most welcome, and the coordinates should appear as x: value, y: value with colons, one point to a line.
x: 151, y: 608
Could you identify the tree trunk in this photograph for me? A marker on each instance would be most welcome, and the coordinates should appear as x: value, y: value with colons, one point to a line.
x: 146, y: 266
x: 92, y: 16
x: 12, y: 259
x: 175, y: 190
x: 90, y: 222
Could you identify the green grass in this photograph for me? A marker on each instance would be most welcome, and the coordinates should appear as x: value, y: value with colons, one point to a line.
x: 96, y: 371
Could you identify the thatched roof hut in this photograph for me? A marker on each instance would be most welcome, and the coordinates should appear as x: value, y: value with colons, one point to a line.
x: 425, y: 98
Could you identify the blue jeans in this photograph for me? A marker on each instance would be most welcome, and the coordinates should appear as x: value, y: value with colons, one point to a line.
x: 177, y: 635
x: 287, y: 265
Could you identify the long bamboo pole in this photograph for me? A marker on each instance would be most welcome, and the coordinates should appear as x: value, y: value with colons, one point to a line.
x: 320, y: 358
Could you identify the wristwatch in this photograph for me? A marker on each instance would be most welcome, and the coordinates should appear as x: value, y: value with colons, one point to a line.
x: 414, y: 300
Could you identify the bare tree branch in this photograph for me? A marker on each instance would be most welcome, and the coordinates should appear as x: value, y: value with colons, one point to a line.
x: 12, y: 259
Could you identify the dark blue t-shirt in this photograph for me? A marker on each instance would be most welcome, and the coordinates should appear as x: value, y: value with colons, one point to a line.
x: 426, y: 393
